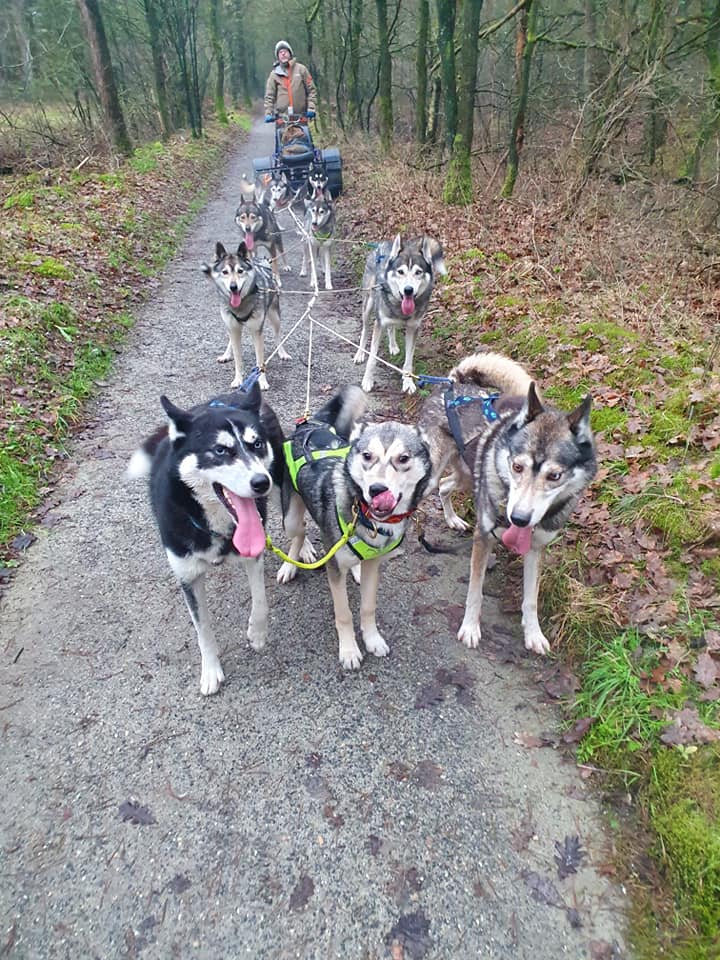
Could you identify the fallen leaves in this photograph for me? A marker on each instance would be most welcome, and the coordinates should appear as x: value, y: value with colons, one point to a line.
x: 687, y: 727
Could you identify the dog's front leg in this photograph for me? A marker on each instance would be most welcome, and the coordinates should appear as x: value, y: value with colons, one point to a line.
x: 369, y: 576
x: 393, y: 348
x: 535, y: 639
x: 368, y: 381
x: 360, y: 355
x: 349, y: 652
x: 227, y: 355
x: 408, y: 382
x: 469, y: 631
x: 326, y: 260
x: 259, y: 343
x: 235, y: 331
x: 303, y: 265
x: 211, y: 675
x: 274, y: 318
x: 445, y: 489
x: 294, y: 522
x: 257, y: 621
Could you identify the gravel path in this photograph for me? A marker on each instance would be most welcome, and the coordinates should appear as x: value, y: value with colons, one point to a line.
x: 302, y: 812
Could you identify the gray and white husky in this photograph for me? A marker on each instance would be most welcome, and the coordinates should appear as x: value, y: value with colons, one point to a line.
x: 397, y: 283
x: 211, y: 471
x: 248, y: 297
x: 260, y: 229
x: 360, y: 480
x: 319, y: 235
x: 527, y: 462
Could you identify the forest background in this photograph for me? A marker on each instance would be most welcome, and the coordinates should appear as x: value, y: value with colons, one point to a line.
x: 569, y: 157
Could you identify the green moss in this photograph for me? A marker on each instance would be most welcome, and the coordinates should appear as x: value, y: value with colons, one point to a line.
x: 509, y: 300
x: 52, y: 269
x: 666, y: 426
x: 551, y: 309
x: 608, y: 419
x: 607, y: 330
x: 146, y: 157
x: 20, y: 201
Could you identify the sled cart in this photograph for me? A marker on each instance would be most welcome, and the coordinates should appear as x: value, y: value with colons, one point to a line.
x: 295, y: 153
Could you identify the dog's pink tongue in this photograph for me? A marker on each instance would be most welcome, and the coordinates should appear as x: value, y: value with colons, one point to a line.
x: 235, y: 300
x: 249, y: 536
x: 383, y: 502
x: 249, y: 239
x: 408, y: 305
x: 518, y: 538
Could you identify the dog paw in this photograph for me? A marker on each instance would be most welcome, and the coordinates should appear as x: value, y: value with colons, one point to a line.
x: 351, y: 657
x: 287, y: 268
x: 457, y: 523
x: 262, y: 380
x: 393, y: 348
x: 303, y: 272
x: 359, y: 356
x: 237, y: 381
x: 328, y: 285
x: 286, y: 573
x: 374, y: 643
x: 257, y: 637
x: 356, y: 572
x: 367, y: 384
x: 408, y: 384
x: 283, y: 354
x: 469, y: 634
x: 225, y: 357
x: 536, y: 641
x: 211, y: 677
x: 307, y: 552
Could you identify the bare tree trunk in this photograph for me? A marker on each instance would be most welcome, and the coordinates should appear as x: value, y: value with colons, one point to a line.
x: 524, y: 48
x: 421, y: 67
x: 446, y: 42
x: 103, y: 73
x: 385, y: 78
x: 354, y: 104
x: 159, y: 79
x: 458, y: 186
x: 711, y: 119
x: 217, y: 48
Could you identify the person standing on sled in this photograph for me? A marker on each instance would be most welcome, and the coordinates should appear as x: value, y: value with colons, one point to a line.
x: 289, y: 88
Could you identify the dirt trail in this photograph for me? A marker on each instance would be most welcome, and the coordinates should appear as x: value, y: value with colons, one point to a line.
x: 302, y: 812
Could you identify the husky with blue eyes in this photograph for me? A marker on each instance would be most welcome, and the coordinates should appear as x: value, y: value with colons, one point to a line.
x: 397, y: 283
x: 211, y: 471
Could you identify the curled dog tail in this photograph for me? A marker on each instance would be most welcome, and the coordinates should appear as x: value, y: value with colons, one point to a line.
x: 141, y: 461
x: 493, y: 370
x: 343, y: 410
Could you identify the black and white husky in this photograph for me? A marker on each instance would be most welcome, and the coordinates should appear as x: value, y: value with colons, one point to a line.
x: 365, y: 488
x: 397, y: 283
x: 211, y: 470
x: 319, y: 235
x: 249, y: 297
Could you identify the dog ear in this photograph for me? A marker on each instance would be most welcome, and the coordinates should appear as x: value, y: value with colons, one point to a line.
x: 242, y: 250
x: 395, y: 249
x: 252, y: 398
x: 579, y: 419
x: 180, y: 420
x: 432, y: 251
x: 530, y: 409
x: 220, y: 251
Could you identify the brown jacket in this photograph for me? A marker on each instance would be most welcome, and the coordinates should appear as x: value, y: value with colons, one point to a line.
x: 289, y: 89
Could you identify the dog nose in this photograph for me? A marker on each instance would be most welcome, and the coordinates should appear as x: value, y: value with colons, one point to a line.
x: 260, y: 483
x: 520, y: 519
x: 408, y: 291
x: 376, y: 489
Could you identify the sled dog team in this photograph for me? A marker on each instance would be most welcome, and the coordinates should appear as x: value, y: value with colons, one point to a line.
x: 215, y: 468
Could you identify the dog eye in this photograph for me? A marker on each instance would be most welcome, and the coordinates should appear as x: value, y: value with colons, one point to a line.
x: 367, y: 456
x: 554, y: 476
x: 404, y: 458
x: 221, y: 450
x: 257, y: 445
x: 517, y: 468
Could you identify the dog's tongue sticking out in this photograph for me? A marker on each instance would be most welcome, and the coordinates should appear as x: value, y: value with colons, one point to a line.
x: 249, y: 536
x: 235, y: 300
x: 384, y: 502
x: 407, y: 306
x: 518, y: 539
x: 249, y: 239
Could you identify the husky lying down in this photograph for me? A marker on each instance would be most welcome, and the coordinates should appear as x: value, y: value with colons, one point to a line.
x: 211, y: 470
x: 375, y: 479
x: 527, y: 463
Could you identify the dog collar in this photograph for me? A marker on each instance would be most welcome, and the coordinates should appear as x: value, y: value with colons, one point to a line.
x: 321, y: 236
x: 361, y: 548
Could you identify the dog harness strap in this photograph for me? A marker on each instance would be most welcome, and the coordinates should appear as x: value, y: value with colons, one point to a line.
x: 453, y: 418
x: 362, y: 549
x: 295, y: 464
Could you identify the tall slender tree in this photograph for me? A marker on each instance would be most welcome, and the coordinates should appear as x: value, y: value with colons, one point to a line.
x: 446, y: 10
x: 385, y: 77
x: 525, y: 43
x: 458, y: 186
x: 103, y: 74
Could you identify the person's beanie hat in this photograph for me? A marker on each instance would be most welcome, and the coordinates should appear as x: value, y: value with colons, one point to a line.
x: 280, y: 44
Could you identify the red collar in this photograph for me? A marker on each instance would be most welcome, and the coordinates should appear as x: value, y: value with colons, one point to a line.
x: 394, y: 518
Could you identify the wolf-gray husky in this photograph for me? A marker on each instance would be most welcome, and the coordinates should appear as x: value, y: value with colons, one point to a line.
x: 527, y: 461
x: 319, y: 231
x: 365, y: 488
x: 248, y: 297
x: 398, y: 280
x: 211, y: 470
x: 259, y: 227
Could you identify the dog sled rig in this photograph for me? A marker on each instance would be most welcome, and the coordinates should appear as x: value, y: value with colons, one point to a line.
x: 294, y: 155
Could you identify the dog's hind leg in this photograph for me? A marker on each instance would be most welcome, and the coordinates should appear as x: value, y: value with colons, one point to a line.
x: 445, y: 489
x: 259, y: 344
x: 257, y: 621
x: 326, y: 259
x: 367, y: 308
x: 211, y: 674
x: 535, y: 639
x: 369, y: 576
x: 368, y: 381
x: 469, y: 631
x: 303, y: 265
x: 348, y: 651
x: 235, y: 332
